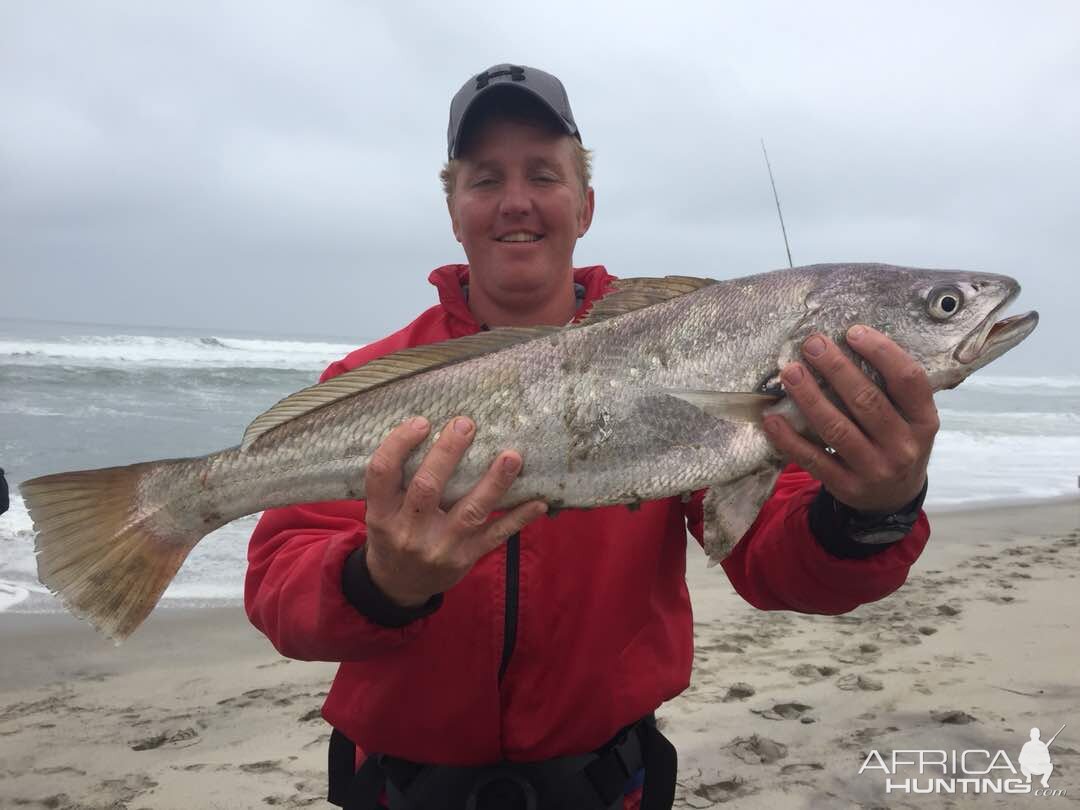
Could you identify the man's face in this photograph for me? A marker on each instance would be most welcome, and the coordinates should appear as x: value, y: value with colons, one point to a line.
x: 518, y: 209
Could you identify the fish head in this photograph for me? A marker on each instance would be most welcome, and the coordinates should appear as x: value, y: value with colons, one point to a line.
x: 951, y: 322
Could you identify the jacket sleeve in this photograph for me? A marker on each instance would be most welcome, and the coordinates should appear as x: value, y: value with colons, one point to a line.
x: 293, y: 591
x: 779, y: 564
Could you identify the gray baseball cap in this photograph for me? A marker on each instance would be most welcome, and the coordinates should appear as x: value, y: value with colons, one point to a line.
x: 540, y: 85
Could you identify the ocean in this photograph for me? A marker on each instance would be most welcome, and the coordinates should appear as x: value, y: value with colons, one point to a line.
x: 78, y: 396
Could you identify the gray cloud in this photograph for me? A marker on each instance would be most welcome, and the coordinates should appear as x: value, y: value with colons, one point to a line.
x: 272, y: 167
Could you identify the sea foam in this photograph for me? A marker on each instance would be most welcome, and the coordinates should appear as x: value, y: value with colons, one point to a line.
x: 125, y: 351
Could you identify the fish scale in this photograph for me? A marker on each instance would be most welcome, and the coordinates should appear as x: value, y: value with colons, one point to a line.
x: 657, y: 392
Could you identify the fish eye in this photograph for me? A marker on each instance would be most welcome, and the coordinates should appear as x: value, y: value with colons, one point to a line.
x: 944, y: 302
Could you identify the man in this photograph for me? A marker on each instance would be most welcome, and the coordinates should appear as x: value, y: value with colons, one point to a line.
x: 1035, y: 759
x: 515, y: 660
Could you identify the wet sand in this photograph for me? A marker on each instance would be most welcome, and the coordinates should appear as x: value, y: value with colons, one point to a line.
x: 198, y: 711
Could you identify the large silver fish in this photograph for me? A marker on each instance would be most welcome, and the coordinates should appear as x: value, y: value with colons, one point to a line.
x: 659, y: 391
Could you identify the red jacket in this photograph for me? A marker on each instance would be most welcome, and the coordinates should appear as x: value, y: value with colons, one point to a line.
x: 604, y: 632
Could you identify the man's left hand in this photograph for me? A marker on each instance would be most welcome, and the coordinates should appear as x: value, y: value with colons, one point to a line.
x: 881, y: 450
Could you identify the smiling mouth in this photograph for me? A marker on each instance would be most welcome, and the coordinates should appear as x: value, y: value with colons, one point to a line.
x: 519, y: 237
x: 993, y: 338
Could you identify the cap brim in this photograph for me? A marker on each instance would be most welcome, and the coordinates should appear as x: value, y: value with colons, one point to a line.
x: 454, y: 151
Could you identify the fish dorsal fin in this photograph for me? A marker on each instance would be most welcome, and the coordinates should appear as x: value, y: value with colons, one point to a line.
x: 636, y: 293
x: 387, y: 369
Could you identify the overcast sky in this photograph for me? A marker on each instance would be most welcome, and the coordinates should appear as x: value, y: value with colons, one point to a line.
x: 272, y: 166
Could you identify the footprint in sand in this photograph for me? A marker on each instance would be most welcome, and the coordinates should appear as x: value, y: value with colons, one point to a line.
x: 867, y: 736
x: 757, y: 750
x: 720, y: 646
x: 864, y: 653
x: 296, y: 800
x: 16, y: 711
x: 709, y: 794
x: 800, y: 767
x: 279, y: 662
x: 119, y: 792
x: 813, y: 672
x: 183, y: 738
x: 783, y: 711
x: 953, y: 717
x: 948, y: 610
x: 58, y: 770
x: 262, y: 766
x: 319, y: 742
x: 865, y: 683
x: 739, y: 691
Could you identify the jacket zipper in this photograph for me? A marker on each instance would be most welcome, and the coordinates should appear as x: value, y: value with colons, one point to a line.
x: 510, y: 617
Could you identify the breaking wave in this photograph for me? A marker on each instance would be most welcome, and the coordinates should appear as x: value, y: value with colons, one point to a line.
x: 1028, y: 384
x: 147, y: 351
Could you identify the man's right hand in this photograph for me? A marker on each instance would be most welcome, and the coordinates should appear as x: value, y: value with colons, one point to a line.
x: 415, y: 549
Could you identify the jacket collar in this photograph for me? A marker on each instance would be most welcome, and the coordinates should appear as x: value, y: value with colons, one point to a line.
x: 449, y: 278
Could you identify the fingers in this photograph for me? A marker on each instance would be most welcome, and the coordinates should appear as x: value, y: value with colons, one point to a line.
x: 882, y: 449
x: 905, y: 379
x: 425, y: 490
x: 473, y: 510
x: 471, y: 513
x: 865, y: 401
x: 382, y: 482
x: 809, y: 456
x: 833, y: 426
x: 510, y: 523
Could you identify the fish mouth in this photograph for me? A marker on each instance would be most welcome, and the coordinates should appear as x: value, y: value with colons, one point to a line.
x: 992, y: 338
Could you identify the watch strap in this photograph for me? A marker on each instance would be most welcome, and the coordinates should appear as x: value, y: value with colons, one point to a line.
x: 853, y: 535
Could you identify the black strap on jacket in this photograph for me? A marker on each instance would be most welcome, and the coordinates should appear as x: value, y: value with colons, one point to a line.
x: 595, y: 781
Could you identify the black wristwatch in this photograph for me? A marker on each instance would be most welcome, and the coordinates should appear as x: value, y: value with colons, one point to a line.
x: 851, y: 534
x: 875, y: 528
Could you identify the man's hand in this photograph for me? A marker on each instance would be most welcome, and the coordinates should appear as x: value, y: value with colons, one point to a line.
x: 881, y: 457
x: 415, y: 549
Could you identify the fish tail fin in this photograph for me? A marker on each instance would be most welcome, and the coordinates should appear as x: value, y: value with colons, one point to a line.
x: 110, y: 541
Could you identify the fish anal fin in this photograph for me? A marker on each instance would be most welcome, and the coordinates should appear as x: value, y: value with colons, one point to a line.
x: 388, y: 369
x: 631, y: 294
x: 731, y: 508
x: 728, y: 405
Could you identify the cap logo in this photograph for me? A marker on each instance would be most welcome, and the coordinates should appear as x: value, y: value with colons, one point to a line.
x: 516, y: 74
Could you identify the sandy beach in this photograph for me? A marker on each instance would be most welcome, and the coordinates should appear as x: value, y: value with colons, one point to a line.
x: 983, y: 643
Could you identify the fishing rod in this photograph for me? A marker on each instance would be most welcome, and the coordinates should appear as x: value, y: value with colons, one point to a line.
x: 776, y: 197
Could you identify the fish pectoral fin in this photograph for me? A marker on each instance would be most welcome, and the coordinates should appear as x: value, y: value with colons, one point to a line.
x: 731, y: 508
x: 727, y: 405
